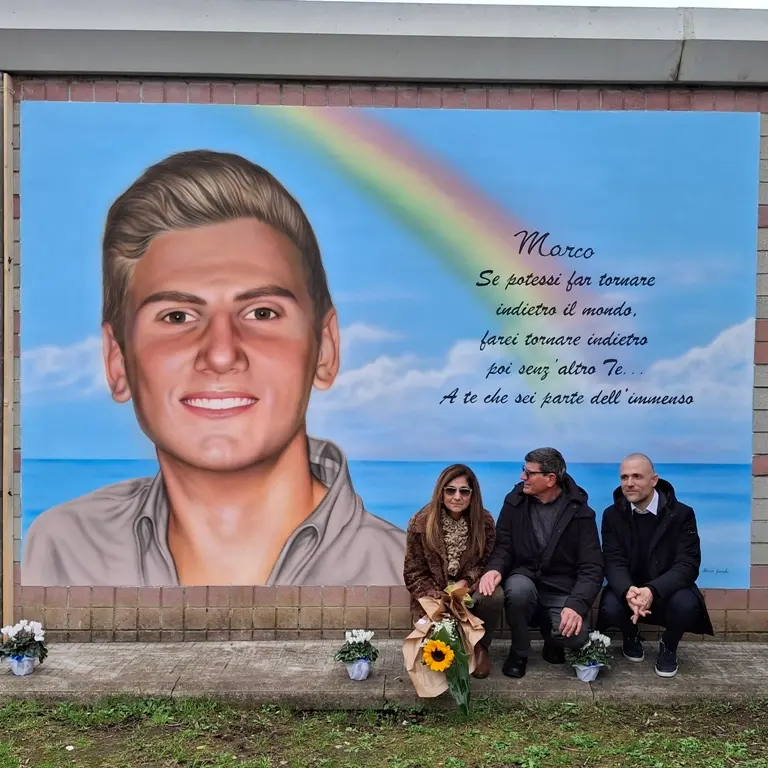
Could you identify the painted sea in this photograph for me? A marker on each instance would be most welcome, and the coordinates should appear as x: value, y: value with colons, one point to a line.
x: 720, y: 494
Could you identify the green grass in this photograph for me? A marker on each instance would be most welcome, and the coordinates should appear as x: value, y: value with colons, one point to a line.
x: 117, y: 733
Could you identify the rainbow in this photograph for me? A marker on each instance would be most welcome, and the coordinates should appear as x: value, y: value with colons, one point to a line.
x: 462, y: 226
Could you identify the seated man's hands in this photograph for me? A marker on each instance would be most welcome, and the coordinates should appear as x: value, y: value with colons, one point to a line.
x: 488, y: 583
x: 639, y: 600
x: 570, y: 622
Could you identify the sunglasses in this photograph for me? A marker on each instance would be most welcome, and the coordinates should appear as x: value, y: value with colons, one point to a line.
x: 449, y: 490
x: 528, y: 472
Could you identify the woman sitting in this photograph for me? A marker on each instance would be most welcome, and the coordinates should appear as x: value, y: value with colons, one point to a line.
x: 449, y: 541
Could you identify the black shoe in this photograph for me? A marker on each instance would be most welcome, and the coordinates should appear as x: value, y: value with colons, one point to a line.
x: 553, y: 654
x: 515, y: 665
x: 666, y: 662
x: 633, y: 648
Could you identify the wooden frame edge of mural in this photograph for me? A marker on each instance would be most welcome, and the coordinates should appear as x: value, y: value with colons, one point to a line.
x: 8, y: 345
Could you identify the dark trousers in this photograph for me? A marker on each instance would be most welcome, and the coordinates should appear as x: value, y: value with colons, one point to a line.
x: 489, y: 609
x: 524, y: 601
x: 677, y: 614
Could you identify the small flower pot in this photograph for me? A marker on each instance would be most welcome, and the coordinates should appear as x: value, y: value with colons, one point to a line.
x: 359, y: 670
x: 21, y: 665
x: 587, y: 673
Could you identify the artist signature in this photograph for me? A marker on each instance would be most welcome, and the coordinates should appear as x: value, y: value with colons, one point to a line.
x: 714, y: 570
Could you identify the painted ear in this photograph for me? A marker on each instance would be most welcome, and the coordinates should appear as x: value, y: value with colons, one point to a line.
x: 114, y: 365
x: 328, y: 360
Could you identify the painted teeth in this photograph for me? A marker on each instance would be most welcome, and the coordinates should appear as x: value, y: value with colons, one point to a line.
x: 220, y: 404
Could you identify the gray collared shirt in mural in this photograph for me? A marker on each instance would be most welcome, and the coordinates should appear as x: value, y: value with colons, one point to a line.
x: 118, y: 536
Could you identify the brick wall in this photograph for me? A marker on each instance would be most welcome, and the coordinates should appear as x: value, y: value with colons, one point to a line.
x: 238, y: 613
x: 98, y: 614
x: 216, y: 613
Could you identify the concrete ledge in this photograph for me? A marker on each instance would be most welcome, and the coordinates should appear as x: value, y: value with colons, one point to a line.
x: 303, y: 675
x: 385, y: 41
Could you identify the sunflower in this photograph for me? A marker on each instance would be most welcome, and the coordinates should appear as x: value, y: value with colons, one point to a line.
x: 438, y: 656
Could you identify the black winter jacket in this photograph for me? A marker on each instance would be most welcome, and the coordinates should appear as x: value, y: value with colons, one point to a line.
x: 572, y: 562
x: 675, y: 551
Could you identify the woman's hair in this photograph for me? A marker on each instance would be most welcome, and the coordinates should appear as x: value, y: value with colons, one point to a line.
x: 434, y: 531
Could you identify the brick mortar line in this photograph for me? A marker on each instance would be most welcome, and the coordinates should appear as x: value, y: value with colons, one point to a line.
x: 319, y: 93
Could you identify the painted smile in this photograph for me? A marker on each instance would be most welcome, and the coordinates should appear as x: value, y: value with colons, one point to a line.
x: 223, y: 404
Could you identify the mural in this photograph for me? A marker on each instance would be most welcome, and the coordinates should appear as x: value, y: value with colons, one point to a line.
x: 205, y: 287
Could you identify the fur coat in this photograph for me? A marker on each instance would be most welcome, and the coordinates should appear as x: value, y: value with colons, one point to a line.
x: 425, y: 572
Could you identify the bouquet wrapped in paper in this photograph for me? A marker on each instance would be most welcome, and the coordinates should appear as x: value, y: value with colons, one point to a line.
x: 439, y: 654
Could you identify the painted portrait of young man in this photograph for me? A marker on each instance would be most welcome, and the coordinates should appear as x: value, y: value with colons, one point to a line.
x: 217, y: 323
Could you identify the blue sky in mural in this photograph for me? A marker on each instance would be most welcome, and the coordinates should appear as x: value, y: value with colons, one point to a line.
x: 664, y: 194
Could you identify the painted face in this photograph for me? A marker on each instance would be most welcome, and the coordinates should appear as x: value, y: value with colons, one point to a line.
x: 534, y: 480
x: 221, y: 346
x: 457, y: 494
x: 637, y: 480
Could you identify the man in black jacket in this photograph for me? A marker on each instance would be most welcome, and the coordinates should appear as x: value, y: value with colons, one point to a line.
x: 652, y: 559
x: 548, y: 559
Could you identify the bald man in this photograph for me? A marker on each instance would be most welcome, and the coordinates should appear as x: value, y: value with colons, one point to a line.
x: 652, y: 558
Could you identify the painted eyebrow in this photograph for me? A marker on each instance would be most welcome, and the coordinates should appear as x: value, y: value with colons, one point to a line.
x: 267, y: 291
x: 180, y: 297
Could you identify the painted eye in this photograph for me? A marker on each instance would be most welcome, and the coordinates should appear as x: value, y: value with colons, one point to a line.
x: 177, y: 317
x: 263, y: 313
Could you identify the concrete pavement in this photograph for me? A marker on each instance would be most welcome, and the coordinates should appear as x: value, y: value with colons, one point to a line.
x: 302, y: 674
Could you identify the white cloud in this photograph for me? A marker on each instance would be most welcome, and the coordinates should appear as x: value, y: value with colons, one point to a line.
x: 674, y: 271
x: 389, y: 407
x: 75, y: 370
x: 362, y: 333
x: 398, y: 378
x: 719, y: 374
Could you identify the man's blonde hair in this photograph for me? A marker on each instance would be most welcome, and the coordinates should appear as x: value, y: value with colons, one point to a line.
x: 195, y: 189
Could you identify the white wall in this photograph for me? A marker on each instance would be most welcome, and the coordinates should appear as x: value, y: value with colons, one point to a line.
x: 454, y: 41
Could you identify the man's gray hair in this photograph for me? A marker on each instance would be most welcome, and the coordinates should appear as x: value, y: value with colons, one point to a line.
x: 640, y: 457
x: 550, y: 460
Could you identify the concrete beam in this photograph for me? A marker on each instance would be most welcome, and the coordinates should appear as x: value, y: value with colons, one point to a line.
x: 400, y: 41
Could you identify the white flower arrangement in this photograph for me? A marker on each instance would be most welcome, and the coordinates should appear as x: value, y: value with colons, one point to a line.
x: 357, y: 646
x: 24, y: 640
x: 358, y: 635
x: 595, y: 652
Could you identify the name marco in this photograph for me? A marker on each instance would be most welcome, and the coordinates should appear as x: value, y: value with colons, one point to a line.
x: 531, y: 241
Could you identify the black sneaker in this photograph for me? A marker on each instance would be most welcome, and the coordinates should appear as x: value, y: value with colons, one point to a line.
x: 666, y: 662
x: 633, y: 648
